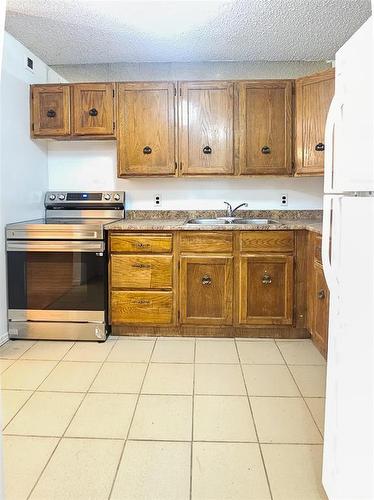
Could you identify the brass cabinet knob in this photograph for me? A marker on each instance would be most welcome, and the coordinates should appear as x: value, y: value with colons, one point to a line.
x: 266, y: 279
x: 207, y: 150
x: 265, y: 150
x: 93, y: 112
x: 320, y: 147
x: 206, y: 280
x: 321, y: 294
x: 147, y: 150
x: 51, y: 113
x: 141, y: 266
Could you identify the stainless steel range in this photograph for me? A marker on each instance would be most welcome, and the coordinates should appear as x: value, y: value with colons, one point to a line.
x: 57, y: 268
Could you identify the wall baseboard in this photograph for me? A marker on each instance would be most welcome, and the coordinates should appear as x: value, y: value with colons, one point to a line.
x: 4, y: 338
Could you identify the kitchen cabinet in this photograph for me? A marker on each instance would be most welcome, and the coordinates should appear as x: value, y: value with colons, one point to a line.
x: 318, y: 296
x: 50, y: 111
x: 206, y: 289
x: 266, y: 289
x: 313, y: 98
x: 220, y: 282
x: 206, y: 128
x: 141, y: 271
x: 146, y: 129
x: 73, y: 111
x: 265, y: 127
x: 93, y: 109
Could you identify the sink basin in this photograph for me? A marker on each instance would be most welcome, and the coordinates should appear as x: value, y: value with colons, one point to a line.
x: 255, y: 221
x: 216, y: 222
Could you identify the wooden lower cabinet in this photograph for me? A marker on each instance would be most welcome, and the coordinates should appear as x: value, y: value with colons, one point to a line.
x: 141, y: 307
x: 266, y: 289
x: 206, y: 290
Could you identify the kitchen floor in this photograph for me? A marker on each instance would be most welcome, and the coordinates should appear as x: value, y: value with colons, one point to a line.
x: 171, y: 418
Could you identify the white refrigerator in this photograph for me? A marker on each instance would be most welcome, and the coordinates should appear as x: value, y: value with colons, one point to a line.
x: 348, y: 262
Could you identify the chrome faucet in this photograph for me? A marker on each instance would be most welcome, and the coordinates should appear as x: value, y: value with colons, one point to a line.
x: 231, y: 211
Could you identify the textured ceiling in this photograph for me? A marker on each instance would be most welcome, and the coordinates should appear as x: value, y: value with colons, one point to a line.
x: 105, y: 31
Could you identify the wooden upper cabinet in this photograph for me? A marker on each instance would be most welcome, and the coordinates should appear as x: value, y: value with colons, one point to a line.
x: 50, y: 110
x: 146, y: 129
x: 206, y: 287
x: 313, y: 98
x: 206, y: 128
x: 93, y: 109
x: 266, y: 290
x: 265, y: 127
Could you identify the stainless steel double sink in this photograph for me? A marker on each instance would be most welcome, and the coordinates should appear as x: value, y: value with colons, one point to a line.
x: 221, y: 221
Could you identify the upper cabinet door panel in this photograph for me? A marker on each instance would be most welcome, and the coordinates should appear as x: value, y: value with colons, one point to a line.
x: 50, y: 110
x: 313, y: 98
x: 265, y: 127
x: 146, y: 129
x: 206, y: 128
x: 93, y: 106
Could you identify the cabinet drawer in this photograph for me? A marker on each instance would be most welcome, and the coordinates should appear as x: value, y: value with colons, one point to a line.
x: 141, y: 271
x: 199, y: 241
x: 318, y: 249
x: 141, y: 243
x: 267, y: 241
x: 141, y: 307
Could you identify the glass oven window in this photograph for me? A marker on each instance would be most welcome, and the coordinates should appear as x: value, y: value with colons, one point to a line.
x: 56, y: 280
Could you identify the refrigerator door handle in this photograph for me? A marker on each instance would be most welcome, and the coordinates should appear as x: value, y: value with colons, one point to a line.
x: 331, y: 120
x: 327, y: 236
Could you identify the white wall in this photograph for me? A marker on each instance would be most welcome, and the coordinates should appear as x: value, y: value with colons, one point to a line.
x: 92, y: 165
x: 24, y: 162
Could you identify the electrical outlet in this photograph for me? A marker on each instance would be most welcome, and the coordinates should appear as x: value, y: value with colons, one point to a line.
x: 157, y: 200
x: 284, y: 199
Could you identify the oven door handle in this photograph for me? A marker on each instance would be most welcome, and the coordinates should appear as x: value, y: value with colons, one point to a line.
x: 97, y: 247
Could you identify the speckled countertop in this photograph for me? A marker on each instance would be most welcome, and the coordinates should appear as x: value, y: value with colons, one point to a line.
x: 177, y: 221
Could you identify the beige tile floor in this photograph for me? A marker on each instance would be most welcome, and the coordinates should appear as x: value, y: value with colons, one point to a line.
x: 160, y: 419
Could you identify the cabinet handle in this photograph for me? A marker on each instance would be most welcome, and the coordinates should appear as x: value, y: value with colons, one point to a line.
x: 51, y: 113
x: 147, y: 150
x: 143, y: 302
x: 321, y: 294
x: 93, y: 112
x: 143, y: 245
x: 207, y: 150
x: 320, y: 147
x: 206, y: 280
x: 265, y: 150
x: 266, y: 279
x: 141, y: 266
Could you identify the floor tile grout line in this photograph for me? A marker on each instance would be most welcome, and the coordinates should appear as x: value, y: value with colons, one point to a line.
x: 131, y: 422
x: 68, y: 424
x: 193, y: 416
x: 301, y: 394
x: 254, y: 425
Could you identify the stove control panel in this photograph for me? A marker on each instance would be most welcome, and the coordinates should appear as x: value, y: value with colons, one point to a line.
x: 56, y: 198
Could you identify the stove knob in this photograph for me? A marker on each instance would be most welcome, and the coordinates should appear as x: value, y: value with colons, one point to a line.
x: 116, y: 196
x: 52, y: 197
x: 61, y: 197
x: 107, y: 196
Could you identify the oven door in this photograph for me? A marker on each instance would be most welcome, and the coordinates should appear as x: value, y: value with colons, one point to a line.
x: 56, y: 289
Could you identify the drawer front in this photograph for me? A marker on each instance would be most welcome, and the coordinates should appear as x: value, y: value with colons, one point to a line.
x: 141, y: 271
x: 141, y: 307
x: 267, y: 241
x: 210, y: 242
x: 141, y: 243
x: 318, y: 249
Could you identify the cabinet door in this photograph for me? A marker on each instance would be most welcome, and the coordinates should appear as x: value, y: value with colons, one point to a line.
x: 320, y: 309
x: 266, y: 289
x: 265, y: 127
x: 93, y: 109
x: 146, y: 129
x: 50, y: 110
x: 206, y: 128
x: 206, y: 290
x: 313, y: 98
